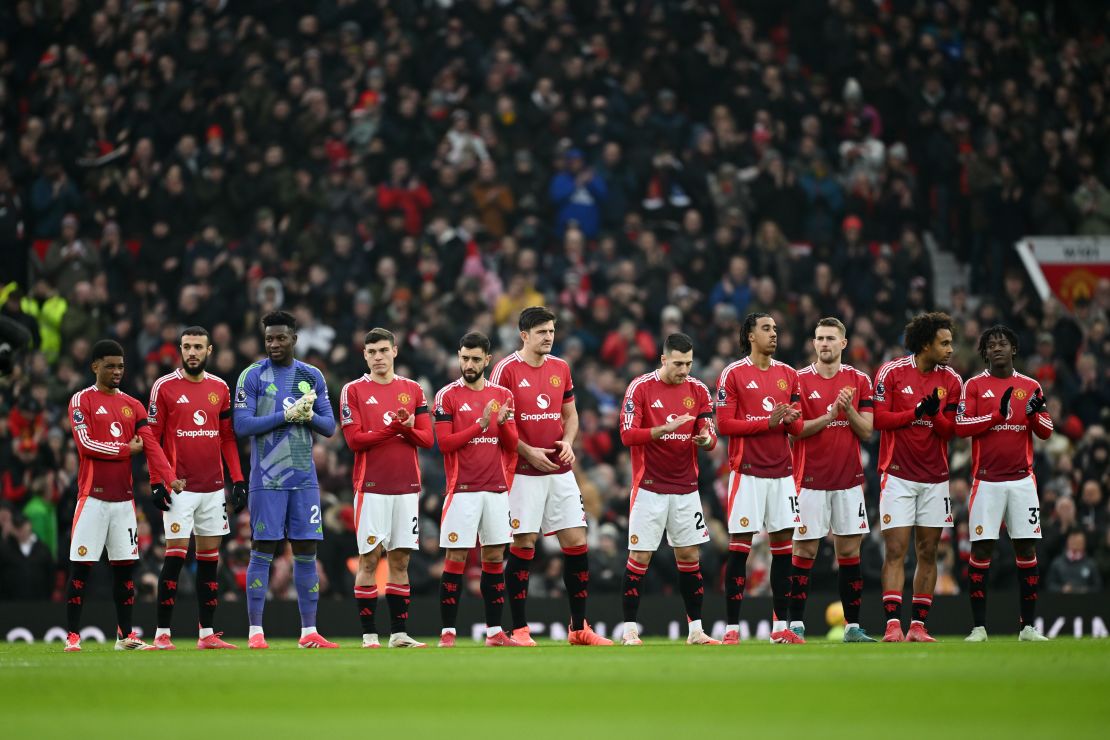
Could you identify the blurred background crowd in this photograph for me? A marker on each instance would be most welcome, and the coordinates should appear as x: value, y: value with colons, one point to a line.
x: 640, y: 167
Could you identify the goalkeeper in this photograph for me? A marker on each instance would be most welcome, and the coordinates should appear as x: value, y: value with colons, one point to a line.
x: 279, y: 403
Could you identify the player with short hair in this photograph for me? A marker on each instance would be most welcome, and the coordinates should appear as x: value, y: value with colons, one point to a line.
x: 190, y: 415
x: 109, y: 427
x: 915, y: 409
x: 1001, y: 410
x: 279, y: 403
x: 667, y: 417
x: 385, y: 421
x: 828, y: 474
x: 544, y: 496
x: 757, y: 408
x: 478, y: 438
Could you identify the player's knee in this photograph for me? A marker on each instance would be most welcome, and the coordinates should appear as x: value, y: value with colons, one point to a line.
x: 457, y: 555
x: 927, y: 553
x: 268, y: 547
x: 643, y: 557
x: 807, y: 549
x: 983, y: 549
x: 399, y: 560
x: 686, y: 554
x: 1025, y: 549
x: 368, y: 563
x: 525, y: 540
x: 574, y: 537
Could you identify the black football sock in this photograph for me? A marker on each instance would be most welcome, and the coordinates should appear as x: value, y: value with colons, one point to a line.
x: 167, y: 585
x: 799, y: 587
x: 208, y: 586
x: 977, y: 572
x: 517, y: 573
x: 75, y: 594
x: 493, y: 592
x: 631, y: 588
x: 892, y: 606
x: 1029, y: 582
x: 736, y: 578
x: 780, y: 578
x: 692, y: 586
x: 123, y: 591
x: 366, y: 599
x: 397, y: 596
x: 450, y: 591
x: 849, y: 579
x: 922, y: 603
x: 576, y: 578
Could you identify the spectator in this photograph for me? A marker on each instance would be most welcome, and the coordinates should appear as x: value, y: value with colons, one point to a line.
x: 26, y: 566
x: 577, y: 193
x: 1074, y: 572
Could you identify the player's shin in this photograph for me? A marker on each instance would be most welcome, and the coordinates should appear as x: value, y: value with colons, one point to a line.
x: 799, y: 589
x: 1029, y: 581
x: 123, y: 593
x: 208, y: 589
x: 736, y: 576
x: 258, y: 585
x: 75, y: 595
x: 167, y: 587
x: 576, y: 578
x: 781, y: 567
x: 978, y: 571
x: 850, y: 583
x: 631, y: 588
x: 450, y: 591
x: 493, y: 595
x: 516, y: 582
x: 693, y: 591
x: 307, y: 581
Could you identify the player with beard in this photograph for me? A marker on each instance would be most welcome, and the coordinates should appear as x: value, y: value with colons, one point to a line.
x: 190, y: 414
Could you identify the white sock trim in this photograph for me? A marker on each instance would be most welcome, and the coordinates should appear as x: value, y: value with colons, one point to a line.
x: 306, y: 631
x: 162, y: 631
x: 254, y: 630
x: 492, y: 631
x: 206, y: 632
x: 694, y: 626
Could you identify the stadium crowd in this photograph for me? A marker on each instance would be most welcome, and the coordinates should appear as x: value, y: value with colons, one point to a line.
x: 639, y: 167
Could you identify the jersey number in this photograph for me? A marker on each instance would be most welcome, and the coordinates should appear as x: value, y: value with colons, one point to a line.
x: 315, y: 518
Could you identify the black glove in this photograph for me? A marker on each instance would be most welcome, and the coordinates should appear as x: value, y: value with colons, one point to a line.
x: 928, y: 406
x: 1036, y: 404
x: 161, y: 496
x: 238, y: 496
x: 1004, y: 404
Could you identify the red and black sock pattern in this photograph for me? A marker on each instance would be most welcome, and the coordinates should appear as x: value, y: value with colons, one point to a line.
x: 892, y: 606
x: 631, y: 588
x: 75, y: 594
x: 780, y: 577
x: 493, y: 592
x: 450, y: 591
x: 398, y: 596
x: 849, y: 580
x: 123, y: 591
x: 977, y: 571
x: 799, y: 587
x: 208, y: 586
x: 366, y: 599
x: 736, y: 578
x: 692, y: 586
x: 576, y: 578
x: 1029, y: 582
x: 167, y: 584
x: 922, y: 603
x: 517, y: 573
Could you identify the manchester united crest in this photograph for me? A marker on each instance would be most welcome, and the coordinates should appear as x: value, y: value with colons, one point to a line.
x: 496, y: 406
x: 979, y: 529
x: 743, y: 521
x: 82, y: 551
x: 781, y: 384
x: 688, y: 402
x: 403, y: 398
x: 127, y: 411
x: 453, y: 537
x: 175, y: 527
x: 634, y: 539
x: 556, y: 381
x: 941, y: 393
x: 802, y: 529
x: 886, y: 518
x: 515, y: 524
x: 1020, y: 394
x: 213, y: 398
x: 371, y: 540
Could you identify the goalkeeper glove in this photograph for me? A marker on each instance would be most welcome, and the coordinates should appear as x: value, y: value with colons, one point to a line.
x: 301, y: 411
x: 238, y: 496
x: 1004, y: 403
x: 1036, y: 404
x: 161, y: 496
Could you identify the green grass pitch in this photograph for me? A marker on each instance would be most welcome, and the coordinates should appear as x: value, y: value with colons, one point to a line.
x: 1001, y: 689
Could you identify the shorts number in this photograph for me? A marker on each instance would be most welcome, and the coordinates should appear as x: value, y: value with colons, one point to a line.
x: 793, y: 504
x: 133, y: 535
x: 415, y: 524
x: 315, y: 518
x: 862, y: 513
x: 1034, y: 514
x: 947, y: 505
x: 699, y: 520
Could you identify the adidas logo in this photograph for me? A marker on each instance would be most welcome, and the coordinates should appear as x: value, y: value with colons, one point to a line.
x: 657, y: 405
x: 863, y: 525
x: 256, y: 583
x: 372, y: 401
x: 907, y: 391
x: 814, y: 395
x: 524, y: 383
x: 752, y: 384
x: 182, y: 399
x: 102, y: 410
x: 465, y: 407
x: 988, y: 394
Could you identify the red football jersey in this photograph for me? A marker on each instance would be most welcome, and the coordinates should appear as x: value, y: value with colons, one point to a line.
x: 472, y: 459
x: 1001, y: 449
x: 103, y: 425
x: 830, y: 460
x: 668, y: 464
x: 910, y: 448
x: 746, y: 396
x: 385, y: 449
x: 192, y: 421
x: 538, y: 397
